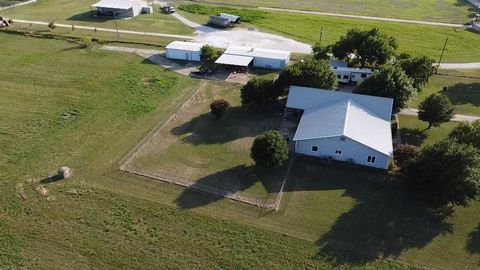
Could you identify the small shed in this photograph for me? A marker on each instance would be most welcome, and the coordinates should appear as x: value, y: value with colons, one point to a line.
x: 231, y: 18
x: 119, y: 8
x: 219, y: 21
x: 187, y: 51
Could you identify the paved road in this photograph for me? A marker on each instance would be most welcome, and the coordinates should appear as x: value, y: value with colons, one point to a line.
x: 460, y: 65
x: 456, y: 118
x: 362, y: 17
x: 108, y: 29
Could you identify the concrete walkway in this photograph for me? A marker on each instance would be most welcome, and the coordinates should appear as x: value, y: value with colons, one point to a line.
x: 362, y: 17
x: 456, y: 118
x: 460, y: 65
x: 107, y: 29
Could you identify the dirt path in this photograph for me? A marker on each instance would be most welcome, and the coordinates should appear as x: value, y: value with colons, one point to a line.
x: 456, y: 118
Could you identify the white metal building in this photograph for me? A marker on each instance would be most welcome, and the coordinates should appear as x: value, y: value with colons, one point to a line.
x: 262, y: 58
x: 120, y: 8
x: 343, y: 126
x: 180, y: 50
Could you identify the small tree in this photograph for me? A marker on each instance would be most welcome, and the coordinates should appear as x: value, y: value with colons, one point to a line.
x: 436, y: 109
x: 269, y: 149
x: 403, y: 153
x: 208, y: 57
x: 371, y: 48
x: 420, y: 69
x: 308, y: 73
x: 392, y: 82
x: 445, y: 173
x: 259, y: 92
x: 467, y: 133
x: 320, y: 52
x: 219, y: 107
x: 52, y: 25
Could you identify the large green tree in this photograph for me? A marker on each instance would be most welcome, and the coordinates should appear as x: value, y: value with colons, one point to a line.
x: 308, y: 73
x: 270, y: 149
x: 445, y: 173
x: 321, y: 52
x: 208, y: 57
x: 392, y: 82
x: 259, y: 93
x: 420, y: 69
x: 370, y: 48
x: 467, y: 133
x: 436, y: 109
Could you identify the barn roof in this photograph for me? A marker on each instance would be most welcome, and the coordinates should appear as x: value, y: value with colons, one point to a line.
x: 185, y: 46
x: 366, y: 123
x: 258, y: 52
x: 117, y: 4
x: 230, y: 17
x: 234, y: 60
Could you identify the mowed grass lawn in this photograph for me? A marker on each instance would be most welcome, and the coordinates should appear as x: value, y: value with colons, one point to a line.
x: 198, y: 148
x: 455, y: 11
x: 79, y: 13
x: 414, y: 39
x: 463, y: 92
x: 61, y: 105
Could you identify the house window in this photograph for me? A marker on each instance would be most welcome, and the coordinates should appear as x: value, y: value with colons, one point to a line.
x: 338, y: 76
x: 338, y: 152
x: 345, y: 77
x: 314, y: 148
x: 371, y: 159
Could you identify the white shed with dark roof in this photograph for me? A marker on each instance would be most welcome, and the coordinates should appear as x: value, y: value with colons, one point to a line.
x: 343, y: 126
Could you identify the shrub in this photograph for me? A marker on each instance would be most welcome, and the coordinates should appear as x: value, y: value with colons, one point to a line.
x: 86, y: 41
x: 258, y: 93
x: 269, y: 149
x: 403, y: 153
x: 52, y: 25
x: 219, y: 107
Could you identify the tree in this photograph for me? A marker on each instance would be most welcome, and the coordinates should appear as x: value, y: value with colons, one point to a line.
x: 445, y: 173
x: 259, y: 92
x: 269, y: 149
x: 403, y: 153
x: 370, y: 48
x: 467, y: 133
x: 435, y: 109
x: 391, y: 82
x: 308, y: 73
x: 219, y: 107
x: 208, y: 57
x: 420, y: 69
x: 320, y: 52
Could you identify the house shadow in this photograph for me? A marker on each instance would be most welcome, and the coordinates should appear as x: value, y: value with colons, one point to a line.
x: 413, y: 136
x: 89, y: 16
x: 237, y: 123
x: 50, y: 179
x: 220, y: 185
x: 473, y: 242
x: 462, y: 93
x: 384, y: 220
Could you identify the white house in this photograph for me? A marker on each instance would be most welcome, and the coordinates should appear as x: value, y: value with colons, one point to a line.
x: 184, y: 51
x: 262, y: 58
x: 343, y: 126
x: 120, y: 8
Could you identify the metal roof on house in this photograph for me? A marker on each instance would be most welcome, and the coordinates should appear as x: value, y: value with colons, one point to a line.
x: 258, y: 52
x: 348, y: 115
x: 118, y: 4
x: 185, y: 46
x: 234, y: 60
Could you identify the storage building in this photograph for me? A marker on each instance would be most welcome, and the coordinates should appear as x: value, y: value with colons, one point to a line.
x: 262, y: 58
x: 187, y: 51
x: 119, y: 8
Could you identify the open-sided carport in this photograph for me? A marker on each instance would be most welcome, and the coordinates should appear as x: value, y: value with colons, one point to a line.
x: 234, y: 61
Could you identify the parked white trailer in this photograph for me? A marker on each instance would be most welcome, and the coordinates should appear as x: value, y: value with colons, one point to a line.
x: 351, y: 75
x: 187, y: 51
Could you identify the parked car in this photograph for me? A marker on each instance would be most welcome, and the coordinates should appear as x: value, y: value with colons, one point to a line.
x: 169, y: 9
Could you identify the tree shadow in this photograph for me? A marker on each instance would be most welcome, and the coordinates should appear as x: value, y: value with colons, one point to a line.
x: 463, y: 3
x: 217, y: 186
x: 384, y: 220
x: 237, y: 123
x: 413, y: 136
x: 89, y: 16
x: 50, y: 179
x: 473, y: 242
x: 463, y: 93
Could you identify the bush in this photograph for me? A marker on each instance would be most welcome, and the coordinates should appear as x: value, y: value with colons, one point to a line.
x: 467, y: 133
x: 10, y: 21
x: 446, y: 173
x: 436, y: 109
x: 259, y: 92
x: 219, y: 107
x: 269, y: 149
x: 85, y: 41
x: 403, y: 153
x: 51, y: 25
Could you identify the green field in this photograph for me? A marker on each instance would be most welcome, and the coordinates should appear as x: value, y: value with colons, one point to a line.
x: 413, y: 39
x: 455, y: 11
x: 79, y: 13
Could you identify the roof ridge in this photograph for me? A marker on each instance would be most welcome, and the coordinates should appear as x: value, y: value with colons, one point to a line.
x: 347, y: 109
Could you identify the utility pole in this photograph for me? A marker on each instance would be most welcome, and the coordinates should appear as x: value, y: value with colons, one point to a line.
x: 321, y: 34
x: 116, y: 26
x: 441, y: 56
x: 153, y: 8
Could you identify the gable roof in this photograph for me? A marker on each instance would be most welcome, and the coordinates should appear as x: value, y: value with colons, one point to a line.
x: 258, y: 52
x: 346, y: 117
x: 185, y: 46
